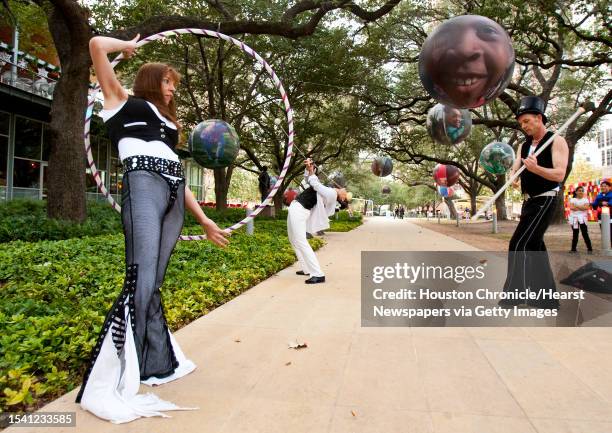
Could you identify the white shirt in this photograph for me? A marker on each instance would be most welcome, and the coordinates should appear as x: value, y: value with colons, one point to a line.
x: 577, y: 217
x: 325, y: 207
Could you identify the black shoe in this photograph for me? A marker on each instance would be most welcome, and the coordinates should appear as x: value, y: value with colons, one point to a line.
x: 301, y: 273
x: 315, y: 280
x: 573, y: 251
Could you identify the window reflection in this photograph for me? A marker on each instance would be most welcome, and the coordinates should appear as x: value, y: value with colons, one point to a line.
x: 26, y: 173
x: 28, y: 138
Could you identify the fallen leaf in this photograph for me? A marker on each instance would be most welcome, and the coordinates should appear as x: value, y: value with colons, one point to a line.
x: 295, y: 345
x: 353, y: 413
x: 288, y: 363
x: 237, y: 340
x: 483, y: 261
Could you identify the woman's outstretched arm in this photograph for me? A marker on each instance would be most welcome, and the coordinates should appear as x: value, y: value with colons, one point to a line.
x: 213, y: 233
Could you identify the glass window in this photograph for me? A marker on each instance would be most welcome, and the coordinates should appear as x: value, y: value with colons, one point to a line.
x: 3, y: 160
x: 90, y: 182
x: 94, y: 151
x: 46, y: 143
x: 4, y: 123
x: 26, y: 173
x: 116, y: 176
x: 28, y: 138
x: 608, y: 137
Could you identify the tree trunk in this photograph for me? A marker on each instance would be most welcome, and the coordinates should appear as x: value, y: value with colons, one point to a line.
x: 451, y: 207
x: 220, y: 189
x: 66, y: 197
x: 500, y: 205
x: 473, y: 201
x: 278, y: 203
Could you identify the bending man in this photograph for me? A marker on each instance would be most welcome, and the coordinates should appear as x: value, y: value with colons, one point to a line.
x: 310, y: 212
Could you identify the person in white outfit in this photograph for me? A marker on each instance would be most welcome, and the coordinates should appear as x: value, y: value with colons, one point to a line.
x: 310, y: 212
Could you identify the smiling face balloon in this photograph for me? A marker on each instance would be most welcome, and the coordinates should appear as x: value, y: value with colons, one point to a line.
x: 467, y: 61
x: 448, y: 125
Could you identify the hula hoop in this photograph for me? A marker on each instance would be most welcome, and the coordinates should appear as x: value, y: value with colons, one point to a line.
x: 245, y: 48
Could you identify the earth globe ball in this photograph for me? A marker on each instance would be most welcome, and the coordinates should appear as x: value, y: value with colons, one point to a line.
x: 467, y: 61
x: 214, y: 144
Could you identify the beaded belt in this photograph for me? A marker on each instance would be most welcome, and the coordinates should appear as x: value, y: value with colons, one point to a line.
x: 152, y: 163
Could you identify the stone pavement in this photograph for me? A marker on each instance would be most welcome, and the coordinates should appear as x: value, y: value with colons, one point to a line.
x: 377, y: 380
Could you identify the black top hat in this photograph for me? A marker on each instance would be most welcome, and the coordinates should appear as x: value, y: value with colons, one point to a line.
x: 532, y: 104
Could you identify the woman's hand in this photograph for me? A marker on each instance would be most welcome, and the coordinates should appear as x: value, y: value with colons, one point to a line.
x: 215, y: 234
x: 130, y: 49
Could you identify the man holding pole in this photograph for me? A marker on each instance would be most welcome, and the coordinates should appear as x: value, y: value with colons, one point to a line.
x: 528, y: 264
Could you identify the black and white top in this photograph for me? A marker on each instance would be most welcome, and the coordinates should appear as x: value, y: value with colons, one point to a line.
x: 137, y: 127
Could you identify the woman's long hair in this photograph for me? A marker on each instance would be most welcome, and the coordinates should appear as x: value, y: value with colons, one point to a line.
x: 147, y: 85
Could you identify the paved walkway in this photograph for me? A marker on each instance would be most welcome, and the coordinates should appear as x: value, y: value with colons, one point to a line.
x: 378, y: 380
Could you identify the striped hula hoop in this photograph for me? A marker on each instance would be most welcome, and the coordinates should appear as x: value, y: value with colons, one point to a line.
x: 248, y: 50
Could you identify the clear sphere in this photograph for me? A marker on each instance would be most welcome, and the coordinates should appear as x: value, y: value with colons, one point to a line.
x: 448, y: 125
x: 497, y: 157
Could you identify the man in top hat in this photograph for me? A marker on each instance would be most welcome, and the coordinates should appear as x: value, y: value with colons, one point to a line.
x: 530, y: 279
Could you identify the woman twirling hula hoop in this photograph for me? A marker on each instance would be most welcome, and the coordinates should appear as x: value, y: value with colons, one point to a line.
x: 135, y: 344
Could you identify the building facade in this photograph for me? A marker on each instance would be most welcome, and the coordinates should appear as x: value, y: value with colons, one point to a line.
x: 26, y: 93
x: 604, y: 146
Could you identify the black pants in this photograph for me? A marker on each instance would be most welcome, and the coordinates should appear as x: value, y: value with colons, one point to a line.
x: 585, y: 235
x: 152, y: 213
x: 528, y: 263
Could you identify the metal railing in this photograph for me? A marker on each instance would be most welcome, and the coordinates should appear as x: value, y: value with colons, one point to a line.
x: 27, y: 80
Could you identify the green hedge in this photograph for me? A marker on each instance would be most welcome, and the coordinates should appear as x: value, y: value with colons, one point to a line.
x: 27, y: 220
x: 54, y: 296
